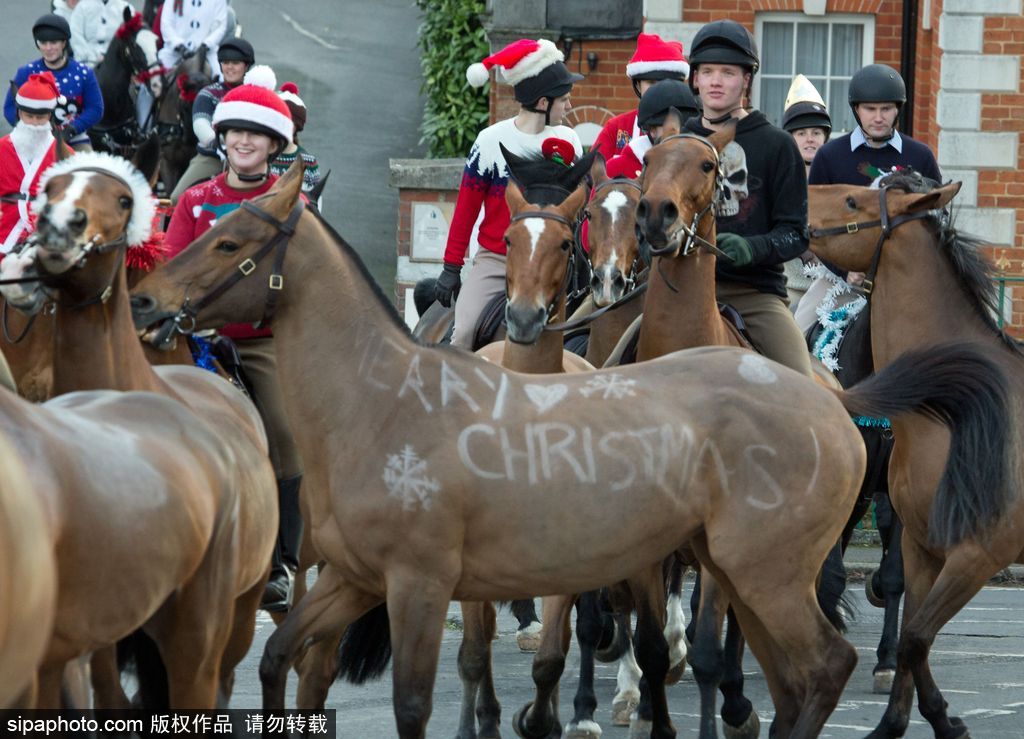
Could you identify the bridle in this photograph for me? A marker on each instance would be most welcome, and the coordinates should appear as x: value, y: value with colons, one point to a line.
x: 693, y: 239
x: 885, y: 222
x: 570, y: 267
x: 637, y: 265
x: 184, y: 321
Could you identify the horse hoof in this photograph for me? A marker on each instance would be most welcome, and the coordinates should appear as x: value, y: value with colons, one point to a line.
x: 883, y: 682
x: 872, y: 595
x: 521, y: 729
x: 528, y: 637
x: 958, y: 723
x: 749, y: 729
x: 640, y: 729
x: 622, y: 710
x: 583, y: 730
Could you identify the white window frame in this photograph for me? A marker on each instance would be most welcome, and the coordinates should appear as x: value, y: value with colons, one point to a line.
x: 867, y: 20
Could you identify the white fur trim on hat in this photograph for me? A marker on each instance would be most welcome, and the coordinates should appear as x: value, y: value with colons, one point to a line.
x: 533, y: 63
x: 242, y: 110
x: 262, y: 76
x: 477, y: 74
x: 140, y: 224
x: 680, y: 67
x: 36, y: 103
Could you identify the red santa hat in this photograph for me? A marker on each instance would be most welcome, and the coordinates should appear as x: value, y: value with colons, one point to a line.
x: 254, y: 106
x: 38, y: 93
x: 289, y: 92
x: 518, y: 61
x: 656, y: 58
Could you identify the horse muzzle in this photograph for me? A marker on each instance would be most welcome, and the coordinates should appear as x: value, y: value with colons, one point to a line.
x: 607, y: 285
x: 524, y: 324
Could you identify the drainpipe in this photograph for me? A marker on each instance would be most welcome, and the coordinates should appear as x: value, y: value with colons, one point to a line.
x: 908, y: 63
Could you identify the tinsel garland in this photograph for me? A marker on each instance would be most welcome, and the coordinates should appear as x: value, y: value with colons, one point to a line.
x: 201, y: 353
x: 834, y: 321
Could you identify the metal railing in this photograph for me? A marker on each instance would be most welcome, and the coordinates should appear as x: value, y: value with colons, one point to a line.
x: 1002, y: 281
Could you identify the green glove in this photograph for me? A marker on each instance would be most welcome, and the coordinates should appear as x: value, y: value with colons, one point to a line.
x: 737, y: 248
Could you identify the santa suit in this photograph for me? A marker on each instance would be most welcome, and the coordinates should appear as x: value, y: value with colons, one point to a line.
x: 19, y: 183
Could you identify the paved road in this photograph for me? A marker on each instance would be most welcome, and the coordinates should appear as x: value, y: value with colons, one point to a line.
x: 978, y: 661
x: 357, y: 67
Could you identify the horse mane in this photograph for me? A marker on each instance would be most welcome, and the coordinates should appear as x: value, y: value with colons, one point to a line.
x: 539, y: 177
x: 973, y: 271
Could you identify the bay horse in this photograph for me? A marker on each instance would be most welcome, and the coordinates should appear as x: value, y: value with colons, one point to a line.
x: 130, y: 59
x: 474, y: 482
x: 928, y: 284
x: 28, y: 580
x: 91, y: 207
x: 178, y: 90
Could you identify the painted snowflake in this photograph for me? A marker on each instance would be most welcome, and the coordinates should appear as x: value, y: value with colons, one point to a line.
x: 405, y: 476
x: 613, y: 386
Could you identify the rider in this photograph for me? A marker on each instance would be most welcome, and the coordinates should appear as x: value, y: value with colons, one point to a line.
x: 761, y: 214
x: 542, y: 86
x: 25, y: 153
x: 654, y: 106
x: 807, y: 121
x: 253, y: 125
x: 877, y: 95
x: 235, y: 57
x: 185, y: 26
x: 64, y: 8
x: 655, y: 59
x: 289, y: 92
x: 80, y: 104
x: 93, y: 24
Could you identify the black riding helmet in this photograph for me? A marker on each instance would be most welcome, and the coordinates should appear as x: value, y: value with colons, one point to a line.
x: 806, y: 114
x: 877, y: 83
x: 51, y: 27
x: 661, y: 96
x: 724, y: 42
x: 236, y: 49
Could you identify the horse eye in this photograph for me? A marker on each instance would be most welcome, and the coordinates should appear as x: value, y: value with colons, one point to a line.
x: 228, y: 247
x: 851, y: 203
x: 567, y: 245
x: 125, y: 202
x: 707, y: 166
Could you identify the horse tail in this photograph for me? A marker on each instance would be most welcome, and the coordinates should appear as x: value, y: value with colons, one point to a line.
x: 365, y: 648
x: 139, y: 652
x: 832, y: 598
x: 962, y: 387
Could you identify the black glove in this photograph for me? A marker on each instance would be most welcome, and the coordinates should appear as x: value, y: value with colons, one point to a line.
x: 737, y: 248
x: 448, y: 283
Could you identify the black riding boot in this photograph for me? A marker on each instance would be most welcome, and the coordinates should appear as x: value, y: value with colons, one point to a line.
x: 277, y: 596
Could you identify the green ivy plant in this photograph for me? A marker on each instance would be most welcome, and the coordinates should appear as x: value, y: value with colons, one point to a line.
x: 451, y: 38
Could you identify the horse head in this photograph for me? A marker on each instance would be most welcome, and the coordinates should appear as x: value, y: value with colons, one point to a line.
x: 846, y: 223
x: 611, y: 235
x: 195, y: 283
x: 90, y: 209
x: 680, y: 183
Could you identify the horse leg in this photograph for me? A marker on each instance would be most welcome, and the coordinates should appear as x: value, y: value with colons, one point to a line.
x: 478, y: 626
x: 739, y: 719
x: 324, y: 613
x: 317, y: 669
x: 539, y: 718
x: 627, y: 686
x: 675, y: 628
x: 652, y: 655
x: 706, y: 658
x: 242, y: 630
x: 588, y: 635
x: 891, y: 582
x: 528, y: 633
x: 416, y: 608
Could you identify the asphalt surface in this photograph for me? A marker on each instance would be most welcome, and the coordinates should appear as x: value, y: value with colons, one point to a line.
x: 357, y: 68
x: 977, y: 660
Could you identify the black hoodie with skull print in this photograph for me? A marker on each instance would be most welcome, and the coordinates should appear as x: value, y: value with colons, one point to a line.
x: 765, y: 200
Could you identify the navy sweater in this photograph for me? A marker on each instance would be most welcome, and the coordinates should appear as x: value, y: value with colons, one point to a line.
x: 835, y: 164
x: 771, y: 212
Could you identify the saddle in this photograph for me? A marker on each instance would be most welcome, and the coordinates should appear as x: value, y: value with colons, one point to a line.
x: 491, y: 321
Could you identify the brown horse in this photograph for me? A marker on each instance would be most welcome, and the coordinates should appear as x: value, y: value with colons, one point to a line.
x: 476, y: 476
x: 90, y: 207
x: 929, y: 284
x: 173, y: 106
x: 28, y: 580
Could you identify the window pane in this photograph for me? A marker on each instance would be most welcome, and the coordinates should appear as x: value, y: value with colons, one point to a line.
x: 847, y: 49
x: 839, y: 106
x: 773, y: 98
x: 811, y: 48
x: 777, y: 49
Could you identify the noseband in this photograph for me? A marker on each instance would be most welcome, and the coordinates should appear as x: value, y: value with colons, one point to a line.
x: 570, y: 268
x: 184, y: 322
x: 693, y: 239
x: 885, y: 222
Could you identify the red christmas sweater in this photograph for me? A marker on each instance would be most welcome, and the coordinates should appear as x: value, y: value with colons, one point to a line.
x: 483, y: 185
x: 616, y: 134
x: 197, y: 211
x: 19, y: 183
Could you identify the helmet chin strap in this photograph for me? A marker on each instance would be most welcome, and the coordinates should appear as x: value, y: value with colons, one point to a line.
x: 250, y: 177
x: 879, y: 139
x: 722, y: 118
x: 546, y: 112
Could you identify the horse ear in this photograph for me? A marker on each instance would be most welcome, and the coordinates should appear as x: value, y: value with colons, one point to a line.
x: 571, y: 206
x: 722, y: 138
x: 673, y: 123
x: 598, y: 173
x: 147, y: 159
x: 514, y: 197
x: 933, y: 199
x: 128, y: 13
x: 287, y: 189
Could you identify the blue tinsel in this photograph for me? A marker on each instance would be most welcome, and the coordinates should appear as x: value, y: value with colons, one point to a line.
x: 869, y: 422
x: 201, y: 354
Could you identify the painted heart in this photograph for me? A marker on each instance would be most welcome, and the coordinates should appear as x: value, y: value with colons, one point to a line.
x: 546, y: 397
